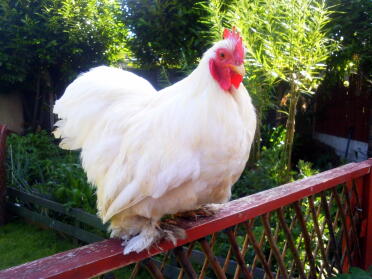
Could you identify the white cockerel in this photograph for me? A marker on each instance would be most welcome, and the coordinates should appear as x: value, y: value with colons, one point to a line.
x: 153, y: 153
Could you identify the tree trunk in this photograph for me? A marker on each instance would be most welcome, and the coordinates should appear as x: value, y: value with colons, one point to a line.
x: 49, y: 97
x: 290, y: 126
x: 256, y: 145
x: 38, y: 100
x: 51, y: 105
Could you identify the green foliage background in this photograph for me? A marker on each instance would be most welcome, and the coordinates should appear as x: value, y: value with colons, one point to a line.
x: 351, y: 25
x: 168, y: 33
x: 62, y: 36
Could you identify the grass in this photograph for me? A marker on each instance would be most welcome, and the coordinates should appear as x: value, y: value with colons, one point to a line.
x: 21, y: 242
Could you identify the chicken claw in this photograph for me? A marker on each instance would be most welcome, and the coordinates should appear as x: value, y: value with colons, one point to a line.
x: 203, y: 211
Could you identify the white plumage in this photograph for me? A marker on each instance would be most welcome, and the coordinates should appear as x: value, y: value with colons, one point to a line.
x: 153, y: 153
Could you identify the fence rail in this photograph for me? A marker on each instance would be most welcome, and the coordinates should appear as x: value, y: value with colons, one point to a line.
x: 44, y: 212
x: 311, y: 228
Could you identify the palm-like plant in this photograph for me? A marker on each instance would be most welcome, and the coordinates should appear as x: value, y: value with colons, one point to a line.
x: 286, y: 40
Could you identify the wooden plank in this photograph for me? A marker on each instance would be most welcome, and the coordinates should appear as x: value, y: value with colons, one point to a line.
x: 367, y: 212
x: 79, y: 214
x: 78, y: 233
x: 99, y: 258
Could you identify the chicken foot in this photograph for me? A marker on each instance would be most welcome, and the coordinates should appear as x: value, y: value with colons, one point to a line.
x: 150, y: 234
x: 203, y: 211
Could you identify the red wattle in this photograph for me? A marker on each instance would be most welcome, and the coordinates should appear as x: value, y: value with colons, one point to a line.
x: 236, y: 79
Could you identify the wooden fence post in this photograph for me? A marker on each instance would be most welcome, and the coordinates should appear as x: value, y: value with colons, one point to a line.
x: 367, y: 222
x: 3, y: 133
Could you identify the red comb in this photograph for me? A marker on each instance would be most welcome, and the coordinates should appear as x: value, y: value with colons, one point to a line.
x: 234, y: 35
x: 227, y: 34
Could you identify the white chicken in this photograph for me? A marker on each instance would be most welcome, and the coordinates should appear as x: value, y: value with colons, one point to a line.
x: 152, y: 153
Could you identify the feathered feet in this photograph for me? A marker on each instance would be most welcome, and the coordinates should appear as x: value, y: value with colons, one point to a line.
x: 151, y: 234
x: 152, y: 231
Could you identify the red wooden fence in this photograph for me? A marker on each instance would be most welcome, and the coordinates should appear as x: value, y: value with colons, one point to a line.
x: 322, y: 224
x: 343, y: 110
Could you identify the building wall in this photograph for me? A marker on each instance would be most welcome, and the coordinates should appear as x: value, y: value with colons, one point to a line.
x: 357, y: 150
x: 11, y: 111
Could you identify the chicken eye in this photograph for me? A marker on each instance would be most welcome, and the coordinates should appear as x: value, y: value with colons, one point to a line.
x: 222, y: 55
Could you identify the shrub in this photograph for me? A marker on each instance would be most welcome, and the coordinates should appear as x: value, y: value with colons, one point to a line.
x: 269, y: 170
x: 36, y: 164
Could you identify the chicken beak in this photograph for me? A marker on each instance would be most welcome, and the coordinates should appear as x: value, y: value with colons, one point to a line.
x: 238, y: 69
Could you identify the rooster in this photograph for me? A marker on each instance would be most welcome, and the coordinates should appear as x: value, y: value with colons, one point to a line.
x: 153, y: 153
